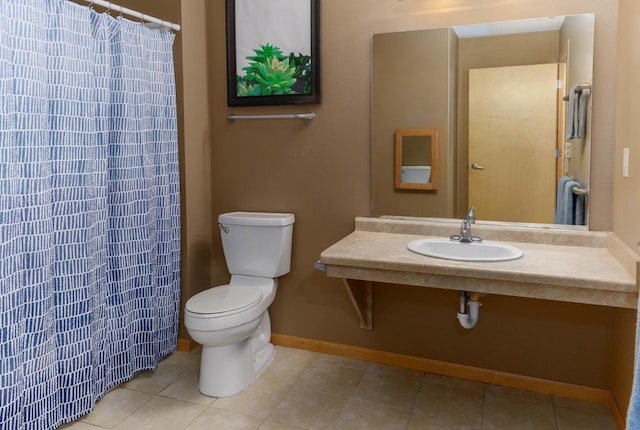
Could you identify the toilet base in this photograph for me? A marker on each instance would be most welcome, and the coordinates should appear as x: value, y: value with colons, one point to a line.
x: 263, y: 358
x: 229, y: 369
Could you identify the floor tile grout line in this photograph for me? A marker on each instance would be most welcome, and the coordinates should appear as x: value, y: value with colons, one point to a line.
x: 195, y: 418
x: 415, y: 400
x: 381, y: 404
x: 291, y: 388
x: 484, y: 406
x: 350, y: 398
x: 555, y: 412
x: 118, y: 387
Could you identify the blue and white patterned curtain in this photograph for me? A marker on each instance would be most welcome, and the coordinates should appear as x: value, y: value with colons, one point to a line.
x: 89, y: 207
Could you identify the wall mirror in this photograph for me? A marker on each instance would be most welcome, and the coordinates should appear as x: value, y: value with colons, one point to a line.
x: 416, y: 159
x: 454, y: 80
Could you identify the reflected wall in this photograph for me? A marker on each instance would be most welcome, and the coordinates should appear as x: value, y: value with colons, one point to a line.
x: 415, y: 89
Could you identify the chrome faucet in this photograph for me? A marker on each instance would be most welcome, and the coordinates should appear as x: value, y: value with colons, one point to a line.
x: 465, y: 235
x: 471, y: 215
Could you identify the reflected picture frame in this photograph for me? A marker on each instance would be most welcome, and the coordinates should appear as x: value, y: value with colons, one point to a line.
x: 273, y: 52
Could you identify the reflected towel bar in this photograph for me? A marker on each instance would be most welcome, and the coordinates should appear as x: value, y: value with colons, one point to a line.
x: 309, y: 116
x: 578, y: 87
x: 580, y: 191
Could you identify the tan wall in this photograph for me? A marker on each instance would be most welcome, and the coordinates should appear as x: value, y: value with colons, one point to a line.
x: 622, y: 356
x: 626, y: 197
x: 196, y: 171
x: 453, y: 111
x: 497, y: 51
x: 320, y: 171
x: 577, y: 35
x: 411, y: 89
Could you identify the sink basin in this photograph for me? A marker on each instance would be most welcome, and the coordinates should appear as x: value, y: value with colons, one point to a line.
x: 459, y: 251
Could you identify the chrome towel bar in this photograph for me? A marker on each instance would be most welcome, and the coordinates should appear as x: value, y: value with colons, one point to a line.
x: 309, y: 116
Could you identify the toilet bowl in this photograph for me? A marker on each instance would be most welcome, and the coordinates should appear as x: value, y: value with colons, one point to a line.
x: 232, y: 324
x: 231, y: 321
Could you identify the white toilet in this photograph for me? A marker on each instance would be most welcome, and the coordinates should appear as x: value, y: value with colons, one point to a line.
x: 231, y: 321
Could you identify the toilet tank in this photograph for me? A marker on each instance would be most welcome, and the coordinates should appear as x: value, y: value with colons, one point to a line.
x: 415, y: 174
x: 257, y: 243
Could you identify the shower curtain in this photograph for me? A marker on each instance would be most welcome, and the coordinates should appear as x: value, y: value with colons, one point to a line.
x: 89, y: 207
x: 633, y: 411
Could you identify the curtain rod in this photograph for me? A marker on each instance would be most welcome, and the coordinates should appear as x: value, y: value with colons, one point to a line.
x: 134, y: 13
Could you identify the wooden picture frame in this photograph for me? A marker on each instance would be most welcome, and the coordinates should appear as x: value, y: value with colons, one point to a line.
x: 427, y: 149
x: 273, y: 52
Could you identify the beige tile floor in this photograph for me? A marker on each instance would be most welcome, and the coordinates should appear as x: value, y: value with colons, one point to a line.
x: 308, y: 390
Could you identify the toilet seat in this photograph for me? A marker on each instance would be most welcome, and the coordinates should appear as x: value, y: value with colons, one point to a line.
x: 223, y: 300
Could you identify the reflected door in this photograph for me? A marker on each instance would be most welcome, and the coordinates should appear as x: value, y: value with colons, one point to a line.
x: 512, y: 142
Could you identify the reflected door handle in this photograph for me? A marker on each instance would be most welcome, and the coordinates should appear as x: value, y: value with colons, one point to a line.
x: 476, y: 166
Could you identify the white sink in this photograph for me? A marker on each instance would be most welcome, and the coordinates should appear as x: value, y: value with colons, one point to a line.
x: 459, y: 251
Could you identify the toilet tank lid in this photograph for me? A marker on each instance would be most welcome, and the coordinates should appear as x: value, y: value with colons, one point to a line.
x: 417, y: 167
x: 256, y: 218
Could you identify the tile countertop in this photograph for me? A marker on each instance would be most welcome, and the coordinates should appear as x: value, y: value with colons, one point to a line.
x: 581, y: 267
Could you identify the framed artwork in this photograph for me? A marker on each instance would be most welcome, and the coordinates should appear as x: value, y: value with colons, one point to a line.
x: 273, y: 52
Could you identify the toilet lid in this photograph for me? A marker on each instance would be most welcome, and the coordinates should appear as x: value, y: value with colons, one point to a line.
x: 224, y: 300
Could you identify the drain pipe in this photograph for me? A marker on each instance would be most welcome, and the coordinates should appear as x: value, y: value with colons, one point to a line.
x: 469, y: 309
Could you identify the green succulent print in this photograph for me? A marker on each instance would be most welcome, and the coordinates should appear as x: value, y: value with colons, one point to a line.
x: 271, y: 72
x: 262, y: 56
